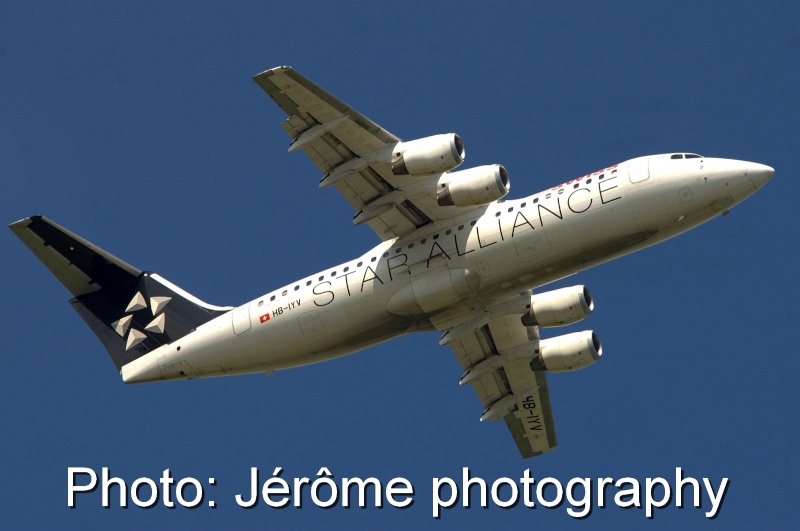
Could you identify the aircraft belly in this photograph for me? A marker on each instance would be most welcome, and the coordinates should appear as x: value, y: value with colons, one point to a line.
x: 301, y: 337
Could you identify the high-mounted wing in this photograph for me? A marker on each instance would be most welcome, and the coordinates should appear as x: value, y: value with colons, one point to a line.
x: 496, y: 358
x: 358, y: 157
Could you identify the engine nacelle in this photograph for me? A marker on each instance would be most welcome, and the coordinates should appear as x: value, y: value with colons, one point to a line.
x: 559, y: 307
x: 473, y: 187
x: 569, y: 352
x: 433, y: 154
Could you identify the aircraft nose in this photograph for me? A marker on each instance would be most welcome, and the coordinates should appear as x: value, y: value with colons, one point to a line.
x: 760, y: 173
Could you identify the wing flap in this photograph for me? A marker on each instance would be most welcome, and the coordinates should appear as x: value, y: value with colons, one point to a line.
x: 299, y: 97
x: 333, y: 135
x: 521, y: 393
x: 531, y: 424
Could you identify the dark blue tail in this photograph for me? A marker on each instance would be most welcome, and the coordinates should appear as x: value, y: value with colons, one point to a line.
x: 132, y: 312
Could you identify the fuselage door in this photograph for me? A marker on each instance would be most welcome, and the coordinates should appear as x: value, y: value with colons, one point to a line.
x: 639, y: 169
x: 241, y: 319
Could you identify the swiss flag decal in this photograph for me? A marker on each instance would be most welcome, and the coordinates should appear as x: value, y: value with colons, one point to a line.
x: 264, y: 318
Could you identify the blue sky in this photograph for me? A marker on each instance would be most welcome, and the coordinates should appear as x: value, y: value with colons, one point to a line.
x: 140, y: 129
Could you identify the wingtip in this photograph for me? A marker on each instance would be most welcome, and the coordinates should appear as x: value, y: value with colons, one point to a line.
x: 271, y: 71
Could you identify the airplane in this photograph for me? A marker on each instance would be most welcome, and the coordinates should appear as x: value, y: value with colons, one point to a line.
x: 454, y: 256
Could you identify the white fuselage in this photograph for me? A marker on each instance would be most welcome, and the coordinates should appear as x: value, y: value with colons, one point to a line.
x: 443, y: 273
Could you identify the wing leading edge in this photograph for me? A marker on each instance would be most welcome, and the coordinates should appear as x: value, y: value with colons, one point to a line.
x: 349, y: 149
x: 343, y: 144
x: 498, y: 354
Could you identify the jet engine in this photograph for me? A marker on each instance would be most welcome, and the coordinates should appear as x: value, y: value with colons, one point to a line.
x: 569, y: 352
x: 472, y: 187
x: 429, y: 155
x: 559, y: 307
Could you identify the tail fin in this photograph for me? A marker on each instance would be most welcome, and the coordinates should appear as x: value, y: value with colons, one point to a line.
x: 132, y: 312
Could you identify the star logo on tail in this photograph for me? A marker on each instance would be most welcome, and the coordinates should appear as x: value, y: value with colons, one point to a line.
x: 157, y: 325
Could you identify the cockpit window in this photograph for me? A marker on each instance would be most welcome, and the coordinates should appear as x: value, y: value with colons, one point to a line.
x: 676, y: 156
x: 693, y: 156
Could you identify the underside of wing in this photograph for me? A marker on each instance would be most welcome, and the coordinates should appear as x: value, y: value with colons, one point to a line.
x: 393, y: 194
x: 496, y: 358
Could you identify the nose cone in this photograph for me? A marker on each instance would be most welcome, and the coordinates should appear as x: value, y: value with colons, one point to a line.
x: 760, y: 173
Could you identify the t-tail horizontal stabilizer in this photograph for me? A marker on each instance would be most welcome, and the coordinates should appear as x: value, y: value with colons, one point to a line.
x: 131, y: 311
